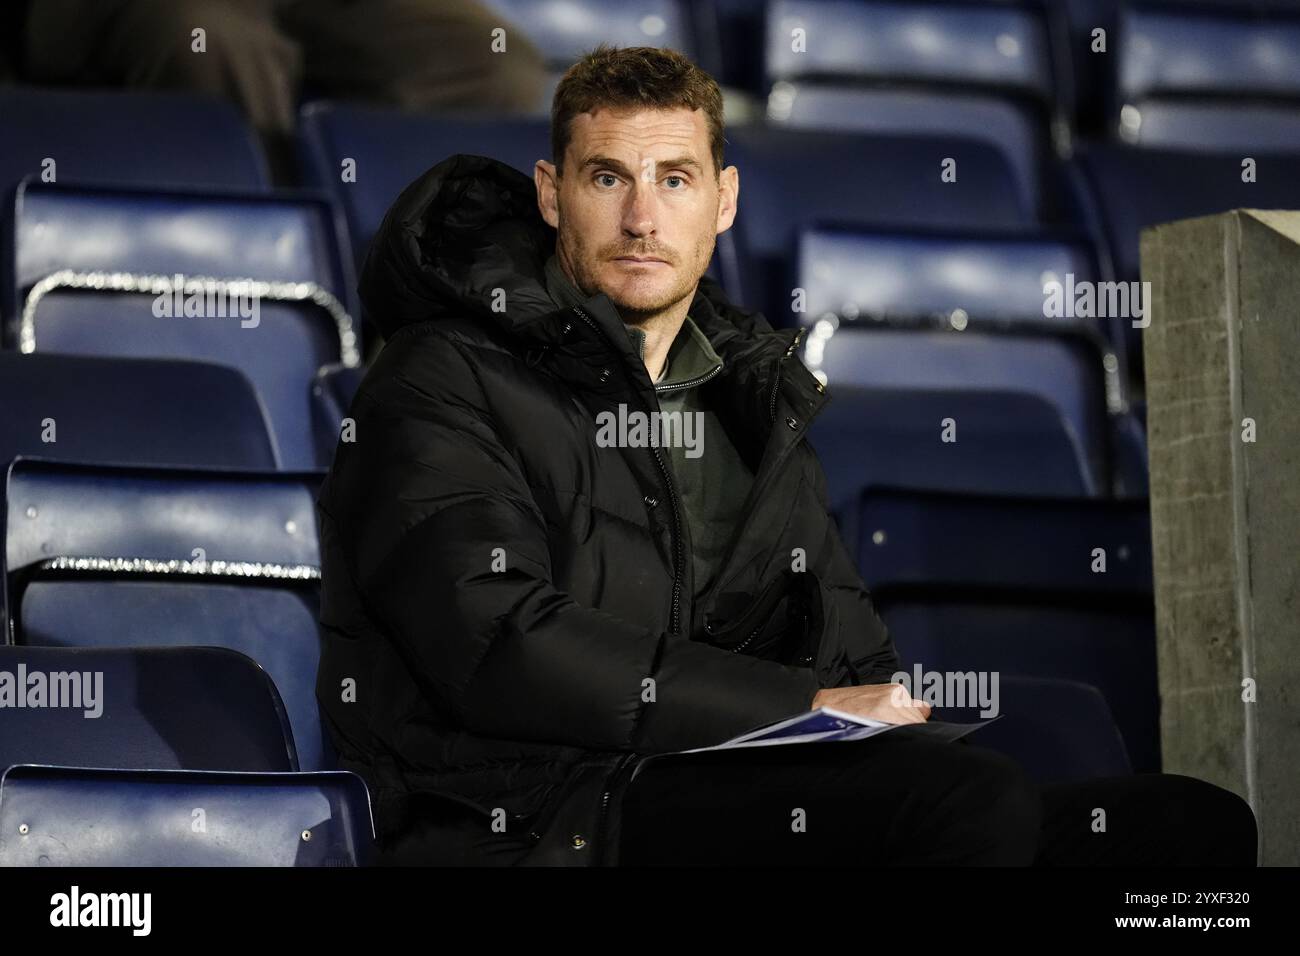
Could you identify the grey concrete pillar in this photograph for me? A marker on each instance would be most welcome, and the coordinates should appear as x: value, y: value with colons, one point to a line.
x: 1223, y: 388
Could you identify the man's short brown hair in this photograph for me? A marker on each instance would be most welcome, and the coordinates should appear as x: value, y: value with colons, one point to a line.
x: 635, y: 77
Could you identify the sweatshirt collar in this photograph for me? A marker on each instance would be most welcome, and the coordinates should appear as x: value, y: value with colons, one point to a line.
x: 691, y: 356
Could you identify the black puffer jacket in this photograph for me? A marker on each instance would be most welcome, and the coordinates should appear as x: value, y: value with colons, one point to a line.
x: 507, y: 607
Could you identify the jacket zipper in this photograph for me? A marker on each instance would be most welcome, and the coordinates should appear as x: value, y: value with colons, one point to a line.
x: 747, y: 641
x: 604, y: 807
x: 690, y: 383
x: 679, y: 547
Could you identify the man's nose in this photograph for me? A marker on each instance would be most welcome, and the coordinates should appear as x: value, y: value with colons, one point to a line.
x: 641, y: 210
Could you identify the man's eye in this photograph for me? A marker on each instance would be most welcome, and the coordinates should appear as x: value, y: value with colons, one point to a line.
x: 603, y: 176
x: 678, y: 178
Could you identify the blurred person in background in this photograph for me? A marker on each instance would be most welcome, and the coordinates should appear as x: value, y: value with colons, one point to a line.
x: 262, y: 54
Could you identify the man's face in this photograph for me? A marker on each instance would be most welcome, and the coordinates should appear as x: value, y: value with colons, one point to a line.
x: 639, y: 206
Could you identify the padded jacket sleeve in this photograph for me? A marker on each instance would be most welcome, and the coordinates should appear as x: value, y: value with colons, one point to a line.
x: 431, y: 493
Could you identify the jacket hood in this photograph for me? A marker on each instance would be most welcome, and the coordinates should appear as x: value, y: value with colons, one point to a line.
x: 466, y: 227
x: 470, y: 226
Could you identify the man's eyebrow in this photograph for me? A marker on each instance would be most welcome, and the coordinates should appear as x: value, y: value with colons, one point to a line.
x: 680, y: 162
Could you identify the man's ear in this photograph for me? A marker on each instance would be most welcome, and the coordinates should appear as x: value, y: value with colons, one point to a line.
x: 544, y: 176
x: 728, y: 197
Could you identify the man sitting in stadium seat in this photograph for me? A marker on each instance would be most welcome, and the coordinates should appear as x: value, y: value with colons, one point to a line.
x: 526, y: 591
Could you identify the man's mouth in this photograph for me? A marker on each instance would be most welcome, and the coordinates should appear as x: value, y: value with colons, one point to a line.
x: 642, y: 260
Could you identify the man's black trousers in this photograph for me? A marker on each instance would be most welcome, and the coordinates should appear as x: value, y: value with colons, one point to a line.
x: 898, y: 799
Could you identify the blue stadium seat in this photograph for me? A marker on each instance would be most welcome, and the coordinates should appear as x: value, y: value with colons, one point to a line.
x: 969, y: 582
x: 874, y: 274
x: 1002, y: 47
x: 1029, y: 543
x: 978, y: 71
x: 1008, y: 443
x: 792, y: 179
x: 93, y: 269
x: 1066, y: 368
x: 105, y: 557
x: 107, y: 410
x: 152, y: 708
x: 563, y: 30
x: 140, y: 138
x: 66, y: 816
x: 1123, y: 190
x: 391, y: 148
x: 1219, y: 79
x: 1060, y: 731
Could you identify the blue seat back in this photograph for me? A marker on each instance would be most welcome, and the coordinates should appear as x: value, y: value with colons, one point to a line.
x: 1002, y: 47
x: 1060, y: 731
x: 967, y: 582
x: 1008, y: 443
x: 1065, y: 368
x: 127, y: 557
x: 1108, y: 644
x: 391, y: 148
x: 794, y: 179
x: 107, y: 410
x: 78, y: 817
x: 563, y: 30
x: 1124, y: 190
x: 73, y: 246
x: 964, y: 70
x: 142, y: 138
x: 897, y: 274
x: 149, y: 708
x: 1214, y: 79
x: 1017, y: 133
x: 928, y: 538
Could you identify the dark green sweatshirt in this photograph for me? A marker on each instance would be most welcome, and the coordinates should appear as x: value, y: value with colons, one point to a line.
x: 712, y: 485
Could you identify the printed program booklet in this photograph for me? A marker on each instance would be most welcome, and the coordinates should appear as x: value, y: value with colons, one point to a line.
x: 828, y: 724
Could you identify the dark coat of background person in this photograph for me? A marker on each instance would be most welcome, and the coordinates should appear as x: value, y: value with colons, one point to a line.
x: 510, y: 602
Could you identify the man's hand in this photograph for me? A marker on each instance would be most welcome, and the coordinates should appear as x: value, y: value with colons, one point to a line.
x: 890, y: 703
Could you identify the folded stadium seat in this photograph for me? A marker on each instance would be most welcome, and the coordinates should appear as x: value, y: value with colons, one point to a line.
x: 1064, y: 367
x: 1225, y: 77
x: 975, y: 70
x: 256, y: 282
x: 132, y: 412
x: 66, y: 816
x: 126, y: 557
x: 563, y: 30
x: 791, y: 179
x: 122, y: 137
x: 973, y: 582
x: 1009, y: 443
x: 1058, y: 730
x: 144, y: 708
x: 390, y: 148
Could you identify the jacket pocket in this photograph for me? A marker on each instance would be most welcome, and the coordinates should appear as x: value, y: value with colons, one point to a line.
x: 581, y: 826
x: 783, y: 624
